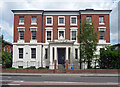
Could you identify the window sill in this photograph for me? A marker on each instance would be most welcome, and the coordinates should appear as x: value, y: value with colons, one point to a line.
x: 20, y: 41
x: 89, y: 23
x: 33, y: 23
x: 33, y: 41
x: 49, y: 24
x: 61, y: 24
x: 21, y: 23
x: 102, y: 41
x: 101, y: 23
x: 73, y: 24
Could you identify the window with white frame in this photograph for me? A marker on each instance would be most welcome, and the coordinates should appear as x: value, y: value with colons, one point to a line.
x: 101, y: 19
x: 61, y: 20
x: 73, y: 35
x: 33, y: 52
x: 61, y: 34
x: 20, y: 53
x: 49, y: 35
x: 88, y: 19
x: 101, y: 35
x: 49, y: 20
x: 21, y: 20
x: 34, y: 19
x: 73, y: 20
x: 21, y: 35
x: 33, y: 35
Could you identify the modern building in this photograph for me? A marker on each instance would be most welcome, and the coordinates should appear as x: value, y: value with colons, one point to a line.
x: 48, y: 38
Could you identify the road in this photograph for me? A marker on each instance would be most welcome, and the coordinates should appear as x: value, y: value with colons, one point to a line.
x: 59, y: 80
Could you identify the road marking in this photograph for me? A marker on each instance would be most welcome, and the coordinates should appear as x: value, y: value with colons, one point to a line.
x: 10, y: 84
x: 12, y: 80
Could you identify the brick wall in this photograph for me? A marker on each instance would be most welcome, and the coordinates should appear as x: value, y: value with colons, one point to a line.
x: 27, y: 25
x: 95, y: 20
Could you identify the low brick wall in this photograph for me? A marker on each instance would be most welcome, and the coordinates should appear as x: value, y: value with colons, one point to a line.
x: 94, y: 71
x: 53, y: 71
x: 26, y: 71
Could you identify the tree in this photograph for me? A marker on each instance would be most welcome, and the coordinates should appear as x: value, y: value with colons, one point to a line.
x: 109, y: 58
x: 6, y: 59
x: 88, y: 42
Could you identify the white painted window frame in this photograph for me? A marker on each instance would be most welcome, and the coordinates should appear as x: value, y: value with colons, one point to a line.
x: 33, y: 29
x: 102, y: 29
x: 61, y: 29
x: 33, y: 23
x: 58, y: 20
x: 73, y: 29
x: 52, y: 20
x: 103, y: 20
x: 23, y: 52
x: 48, y: 29
x: 20, y: 22
x: 71, y: 20
x: 21, y: 29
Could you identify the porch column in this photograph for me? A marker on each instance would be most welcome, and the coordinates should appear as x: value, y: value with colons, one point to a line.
x: 66, y: 59
x: 51, y: 58
x: 55, y: 59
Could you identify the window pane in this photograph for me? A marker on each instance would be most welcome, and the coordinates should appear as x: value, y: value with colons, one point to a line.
x: 21, y: 19
x: 101, y: 19
x: 49, y: 20
x: 88, y: 19
x: 73, y: 35
x: 61, y: 33
x: 20, y: 52
x: 33, y: 52
x: 61, y: 20
x: 73, y: 20
x: 48, y: 35
x: 101, y: 34
x: 33, y: 35
x: 34, y: 19
x: 21, y: 35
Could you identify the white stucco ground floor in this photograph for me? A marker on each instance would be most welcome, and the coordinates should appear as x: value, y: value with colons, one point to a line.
x: 54, y: 54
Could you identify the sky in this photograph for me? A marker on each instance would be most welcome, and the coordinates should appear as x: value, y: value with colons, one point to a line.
x: 7, y: 17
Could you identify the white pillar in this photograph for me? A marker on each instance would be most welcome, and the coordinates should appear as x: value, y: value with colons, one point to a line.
x: 66, y: 53
x: 51, y: 57
x: 55, y: 53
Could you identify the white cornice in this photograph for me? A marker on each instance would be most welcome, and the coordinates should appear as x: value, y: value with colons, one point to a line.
x: 61, y: 13
x: 94, y: 12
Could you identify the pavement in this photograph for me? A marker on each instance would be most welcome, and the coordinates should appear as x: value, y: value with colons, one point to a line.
x: 58, y: 79
x: 59, y: 74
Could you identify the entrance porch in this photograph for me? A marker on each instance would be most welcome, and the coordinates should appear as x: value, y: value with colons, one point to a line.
x: 60, y: 52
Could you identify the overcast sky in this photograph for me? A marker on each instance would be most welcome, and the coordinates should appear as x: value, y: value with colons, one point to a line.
x: 6, y: 16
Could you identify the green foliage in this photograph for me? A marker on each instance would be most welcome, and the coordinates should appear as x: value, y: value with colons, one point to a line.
x: 88, y: 42
x: 42, y: 68
x: 6, y: 59
x: 109, y: 58
x: 32, y: 67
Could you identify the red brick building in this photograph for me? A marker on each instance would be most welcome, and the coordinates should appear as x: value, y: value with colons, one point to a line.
x: 48, y: 38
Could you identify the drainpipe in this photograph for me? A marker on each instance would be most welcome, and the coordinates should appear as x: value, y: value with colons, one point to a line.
x: 42, y: 41
x: 80, y: 42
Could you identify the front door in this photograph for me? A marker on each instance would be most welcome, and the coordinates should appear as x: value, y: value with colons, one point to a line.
x: 61, y: 55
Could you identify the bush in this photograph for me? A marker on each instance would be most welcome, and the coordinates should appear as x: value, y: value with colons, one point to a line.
x: 42, y: 68
x: 11, y: 68
x: 109, y: 58
x: 32, y: 67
